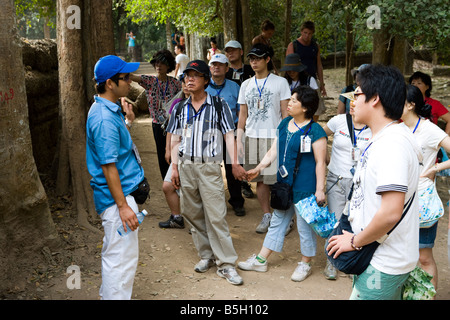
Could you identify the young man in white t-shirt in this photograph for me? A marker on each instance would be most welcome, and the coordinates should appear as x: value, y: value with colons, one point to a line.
x: 385, y: 180
x: 263, y: 99
x: 181, y: 60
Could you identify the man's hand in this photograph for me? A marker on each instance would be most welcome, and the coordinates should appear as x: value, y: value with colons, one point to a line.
x: 339, y: 244
x: 238, y: 172
x: 129, y: 218
x: 128, y: 109
x: 175, y: 177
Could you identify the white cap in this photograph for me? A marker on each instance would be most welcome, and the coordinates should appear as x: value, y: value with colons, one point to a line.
x: 219, y: 58
x: 233, y: 44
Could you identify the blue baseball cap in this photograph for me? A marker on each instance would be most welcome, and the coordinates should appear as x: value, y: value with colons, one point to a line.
x: 108, y: 66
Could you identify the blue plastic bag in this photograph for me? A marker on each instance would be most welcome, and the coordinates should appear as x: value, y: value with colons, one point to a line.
x: 319, y: 218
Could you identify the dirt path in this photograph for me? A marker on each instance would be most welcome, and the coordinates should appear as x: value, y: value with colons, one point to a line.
x: 167, y: 257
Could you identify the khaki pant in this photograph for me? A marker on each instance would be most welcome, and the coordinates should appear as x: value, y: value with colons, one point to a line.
x: 203, y: 206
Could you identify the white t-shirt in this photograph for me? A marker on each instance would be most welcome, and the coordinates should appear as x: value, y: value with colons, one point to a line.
x: 390, y: 163
x: 341, y: 151
x: 182, y: 60
x: 263, y: 121
x: 428, y: 136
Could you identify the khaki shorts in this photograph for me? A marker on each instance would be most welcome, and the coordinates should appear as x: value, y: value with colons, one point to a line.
x: 255, y: 150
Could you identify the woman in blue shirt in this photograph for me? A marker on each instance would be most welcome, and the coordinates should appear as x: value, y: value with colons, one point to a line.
x: 296, y: 132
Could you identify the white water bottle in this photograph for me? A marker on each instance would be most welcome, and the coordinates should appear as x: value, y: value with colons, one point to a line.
x: 140, y: 215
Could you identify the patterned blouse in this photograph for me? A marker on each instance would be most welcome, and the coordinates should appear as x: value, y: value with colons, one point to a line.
x: 158, y: 95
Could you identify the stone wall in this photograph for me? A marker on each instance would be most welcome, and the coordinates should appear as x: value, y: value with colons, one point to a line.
x: 41, y: 78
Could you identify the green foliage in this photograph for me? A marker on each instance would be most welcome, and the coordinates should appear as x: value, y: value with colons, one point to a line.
x: 195, y: 16
x: 33, y: 14
x: 43, y: 8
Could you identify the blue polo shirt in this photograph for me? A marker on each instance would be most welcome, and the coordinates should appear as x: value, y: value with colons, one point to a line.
x: 229, y: 91
x: 108, y: 141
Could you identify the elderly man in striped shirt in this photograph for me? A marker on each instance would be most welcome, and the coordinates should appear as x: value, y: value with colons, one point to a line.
x: 197, y: 126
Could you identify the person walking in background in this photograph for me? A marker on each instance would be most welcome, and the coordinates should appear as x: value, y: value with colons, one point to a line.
x: 131, y: 45
x: 181, y: 60
x: 160, y: 89
x: 296, y: 74
x: 263, y: 100
x: 430, y: 139
x: 385, y: 180
x: 116, y: 173
x: 267, y: 32
x: 296, y: 132
x: 213, y: 50
x: 197, y: 126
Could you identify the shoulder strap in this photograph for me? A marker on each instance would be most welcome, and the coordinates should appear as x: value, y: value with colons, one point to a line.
x: 351, y: 132
x: 405, y: 211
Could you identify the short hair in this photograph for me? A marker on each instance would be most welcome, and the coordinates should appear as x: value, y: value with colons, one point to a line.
x: 386, y: 82
x: 308, y: 98
x: 414, y: 95
x: 180, y: 46
x: 425, y: 79
x: 267, y: 25
x: 308, y: 25
x: 166, y: 57
x: 100, y: 88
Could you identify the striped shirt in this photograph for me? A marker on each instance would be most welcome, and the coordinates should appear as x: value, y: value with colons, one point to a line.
x: 201, y: 132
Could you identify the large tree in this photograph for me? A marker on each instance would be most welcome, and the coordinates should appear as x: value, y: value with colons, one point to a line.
x: 26, y: 225
x: 80, y: 44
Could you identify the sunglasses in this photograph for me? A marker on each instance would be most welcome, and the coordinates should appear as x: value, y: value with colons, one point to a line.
x: 125, y: 78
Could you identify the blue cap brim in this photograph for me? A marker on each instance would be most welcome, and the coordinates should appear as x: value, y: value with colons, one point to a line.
x: 130, y: 67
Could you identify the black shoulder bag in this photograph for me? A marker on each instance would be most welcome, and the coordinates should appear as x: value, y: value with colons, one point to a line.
x: 357, y: 261
x: 281, y: 194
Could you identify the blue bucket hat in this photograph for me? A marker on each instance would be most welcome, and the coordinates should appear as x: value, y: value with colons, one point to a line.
x: 108, y: 66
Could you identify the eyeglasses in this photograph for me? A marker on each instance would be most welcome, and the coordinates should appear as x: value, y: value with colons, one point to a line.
x: 125, y: 78
x: 254, y: 58
x: 193, y: 76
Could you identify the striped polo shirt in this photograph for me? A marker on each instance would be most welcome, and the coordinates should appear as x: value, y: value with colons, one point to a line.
x: 201, y: 132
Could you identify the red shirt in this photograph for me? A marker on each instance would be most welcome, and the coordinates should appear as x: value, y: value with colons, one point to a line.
x: 437, y: 109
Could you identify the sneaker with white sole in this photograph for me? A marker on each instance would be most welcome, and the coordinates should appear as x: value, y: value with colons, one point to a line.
x: 330, y: 271
x: 231, y: 275
x: 302, y: 271
x: 264, y: 224
x: 204, y: 265
x: 252, y: 264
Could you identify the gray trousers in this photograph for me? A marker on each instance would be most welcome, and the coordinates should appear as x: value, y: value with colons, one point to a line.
x: 203, y: 206
x: 337, y: 196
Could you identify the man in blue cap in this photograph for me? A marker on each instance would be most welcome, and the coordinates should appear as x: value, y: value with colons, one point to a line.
x: 117, y: 176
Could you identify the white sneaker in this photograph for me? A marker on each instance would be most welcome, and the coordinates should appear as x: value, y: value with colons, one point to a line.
x: 204, y: 265
x: 302, y: 271
x: 264, y: 224
x: 252, y: 264
x: 231, y: 275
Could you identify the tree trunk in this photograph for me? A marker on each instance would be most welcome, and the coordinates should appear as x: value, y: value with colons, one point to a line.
x: 287, y: 23
x: 25, y: 219
x: 349, y: 48
x: 381, y: 44
x: 246, y: 27
x: 229, y: 20
x: 78, y: 51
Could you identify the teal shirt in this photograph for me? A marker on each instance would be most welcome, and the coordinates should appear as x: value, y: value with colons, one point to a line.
x: 305, y: 182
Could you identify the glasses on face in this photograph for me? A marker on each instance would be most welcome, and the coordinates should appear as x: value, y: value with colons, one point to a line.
x: 254, y: 58
x: 195, y: 76
x: 125, y: 78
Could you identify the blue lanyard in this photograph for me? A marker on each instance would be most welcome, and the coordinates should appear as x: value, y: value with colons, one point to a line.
x: 416, y: 126
x: 356, y: 136
x: 195, y: 115
x: 167, y: 85
x: 260, y: 91
x: 302, y: 129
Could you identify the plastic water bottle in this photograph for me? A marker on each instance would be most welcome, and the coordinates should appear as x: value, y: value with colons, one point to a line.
x: 140, y: 215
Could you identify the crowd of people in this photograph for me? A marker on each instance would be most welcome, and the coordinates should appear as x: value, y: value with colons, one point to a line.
x: 258, y: 124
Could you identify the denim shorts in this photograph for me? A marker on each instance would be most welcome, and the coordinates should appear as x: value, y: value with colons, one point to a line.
x: 427, y: 236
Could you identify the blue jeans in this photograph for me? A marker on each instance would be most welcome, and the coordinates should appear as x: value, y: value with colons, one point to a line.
x: 274, y: 239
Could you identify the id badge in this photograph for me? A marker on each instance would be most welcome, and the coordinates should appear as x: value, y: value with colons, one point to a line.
x: 356, y: 153
x: 236, y: 75
x: 187, y: 132
x: 136, y: 153
x: 283, y: 172
x: 260, y: 104
x: 305, y: 144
